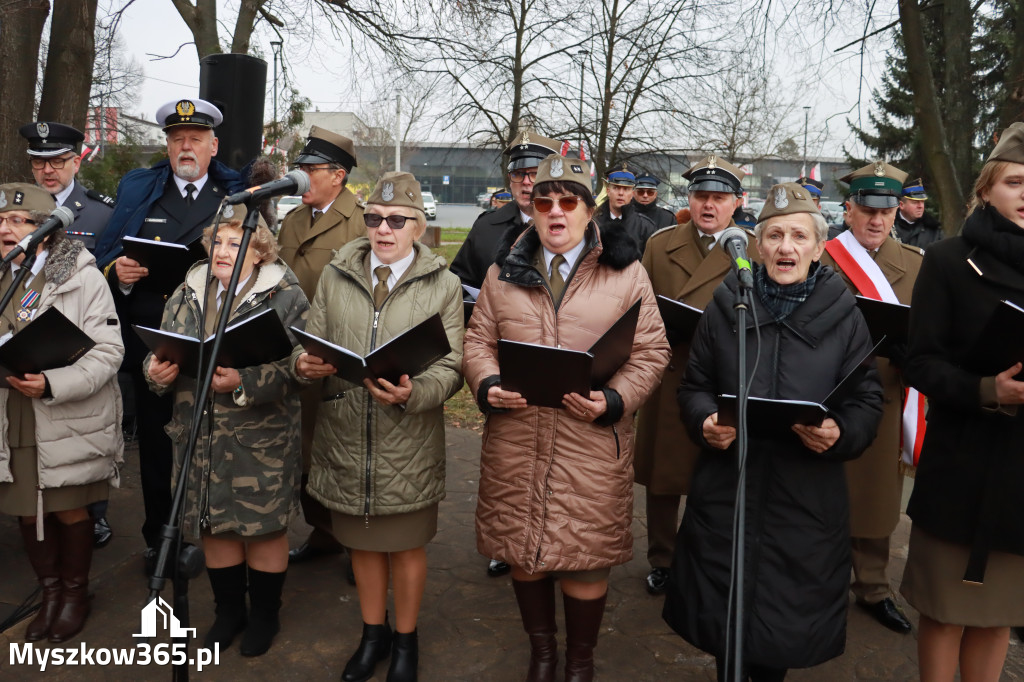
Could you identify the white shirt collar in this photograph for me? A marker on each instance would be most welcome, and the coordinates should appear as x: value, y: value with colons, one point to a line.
x: 40, y: 261
x: 571, y: 256
x: 398, y: 268
x: 524, y: 217
x: 326, y: 208
x: 221, y: 288
x: 62, y: 196
x: 198, y: 183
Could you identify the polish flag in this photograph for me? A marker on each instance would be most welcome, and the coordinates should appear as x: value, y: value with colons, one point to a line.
x: 565, y: 148
x: 85, y: 150
x: 816, y: 172
x: 95, y: 151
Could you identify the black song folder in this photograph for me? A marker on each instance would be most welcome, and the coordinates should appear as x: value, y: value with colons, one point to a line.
x: 49, y: 341
x: 1001, y: 343
x: 168, y: 262
x: 410, y: 353
x: 543, y: 374
x: 680, y: 319
x: 890, y: 321
x: 256, y: 340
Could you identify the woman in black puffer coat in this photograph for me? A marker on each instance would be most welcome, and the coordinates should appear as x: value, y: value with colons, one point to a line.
x: 797, y: 529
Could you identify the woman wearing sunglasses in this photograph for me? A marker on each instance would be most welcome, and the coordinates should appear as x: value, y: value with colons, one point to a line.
x: 556, y: 485
x: 378, y: 460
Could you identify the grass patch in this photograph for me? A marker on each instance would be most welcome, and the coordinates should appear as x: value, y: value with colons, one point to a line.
x: 454, y: 234
x: 461, y: 411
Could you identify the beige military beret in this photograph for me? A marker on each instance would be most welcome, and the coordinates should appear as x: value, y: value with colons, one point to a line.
x: 397, y: 189
x: 557, y: 168
x: 786, y: 199
x: 1010, y: 146
x: 21, y: 196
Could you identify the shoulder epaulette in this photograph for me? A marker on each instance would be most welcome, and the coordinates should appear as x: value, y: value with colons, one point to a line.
x: 93, y: 194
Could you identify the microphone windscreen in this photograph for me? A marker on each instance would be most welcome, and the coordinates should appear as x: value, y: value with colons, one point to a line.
x: 64, y: 214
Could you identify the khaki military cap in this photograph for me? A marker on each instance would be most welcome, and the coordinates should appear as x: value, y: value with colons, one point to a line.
x: 323, y: 146
x: 876, y: 185
x: 235, y: 214
x: 397, y: 189
x: 713, y: 174
x: 21, y: 196
x: 786, y: 199
x: 528, y: 149
x: 557, y: 168
x: 1010, y: 146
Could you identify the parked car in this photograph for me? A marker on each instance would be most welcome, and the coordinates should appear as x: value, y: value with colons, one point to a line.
x: 285, y: 204
x: 483, y: 200
x: 429, y: 207
x: 832, y: 211
x: 754, y: 207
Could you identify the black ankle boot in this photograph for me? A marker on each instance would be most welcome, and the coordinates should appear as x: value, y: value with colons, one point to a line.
x: 264, y: 605
x: 374, y: 647
x: 229, y: 587
x: 405, y: 656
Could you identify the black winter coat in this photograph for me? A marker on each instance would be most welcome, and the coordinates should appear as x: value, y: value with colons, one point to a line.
x: 921, y: 233
x: 797, y: 569
x: 636, y: 225
x: 968, y: 483
x: 661, y: 217
x: 478, y: 252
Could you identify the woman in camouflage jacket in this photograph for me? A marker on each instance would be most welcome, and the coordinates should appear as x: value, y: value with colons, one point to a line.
x: 244, y: 474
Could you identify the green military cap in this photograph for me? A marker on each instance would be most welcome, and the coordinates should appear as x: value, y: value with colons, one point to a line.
x: 786, y: 199
x: 21, y: 196
x: 528, y: 149
x: 323, y: 146
x: 713, y: 174
x: 876, y: 185
x: 557, y: 168
x: 235, y: 214
x: 1010, y: 146
x: 397, y: 189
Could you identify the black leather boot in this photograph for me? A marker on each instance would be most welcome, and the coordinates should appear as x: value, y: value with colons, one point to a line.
x: 405, y: 657
x: 45, y: 559
x: 582, y: 624
x: 374, y: 647
x: 536, y: 599
x: 264, y: 606
x: 229, y: 588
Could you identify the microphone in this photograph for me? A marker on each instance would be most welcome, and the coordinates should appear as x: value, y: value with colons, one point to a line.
x: 734, y: 241
x: 61, y: 217
x: 294, y: 182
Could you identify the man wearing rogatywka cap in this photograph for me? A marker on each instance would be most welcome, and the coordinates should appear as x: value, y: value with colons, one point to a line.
x: 684, y: 264
x: 618, y: 212
x: 173, y: 201
x: 913, y: 226
x: 329, y: 217
x: 874, y: 264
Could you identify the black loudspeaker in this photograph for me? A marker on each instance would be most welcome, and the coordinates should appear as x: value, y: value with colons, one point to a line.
x: 237, y: 85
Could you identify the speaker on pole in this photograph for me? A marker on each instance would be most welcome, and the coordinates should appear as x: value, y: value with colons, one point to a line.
x: 237, y: 85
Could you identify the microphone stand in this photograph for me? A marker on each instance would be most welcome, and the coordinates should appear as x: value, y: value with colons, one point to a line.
x: 742, y: 306
x: 23, y: 270
x: 190, y: 560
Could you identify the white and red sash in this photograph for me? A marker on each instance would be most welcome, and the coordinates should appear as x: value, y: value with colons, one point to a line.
x: 863, y: 271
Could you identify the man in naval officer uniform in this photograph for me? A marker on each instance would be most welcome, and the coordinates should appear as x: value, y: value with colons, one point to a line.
x: 53, y: 153
x: 172, y: 201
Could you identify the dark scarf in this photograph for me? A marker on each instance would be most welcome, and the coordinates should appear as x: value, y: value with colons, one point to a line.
x: 987, y: 229
x: 783, y: 299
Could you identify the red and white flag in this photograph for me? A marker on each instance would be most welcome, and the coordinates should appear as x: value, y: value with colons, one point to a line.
x: 816, y: 172
x: 565, y: 148
x: 85, y: 150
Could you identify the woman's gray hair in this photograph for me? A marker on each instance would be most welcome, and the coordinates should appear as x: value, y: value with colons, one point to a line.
x: 820, y: 227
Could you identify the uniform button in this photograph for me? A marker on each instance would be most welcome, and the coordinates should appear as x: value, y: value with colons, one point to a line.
x: 550, y: 492
x: 541, y: 564
x: 301, y: 252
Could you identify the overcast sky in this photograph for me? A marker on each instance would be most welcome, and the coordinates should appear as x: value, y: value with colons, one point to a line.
x: 322, y: 73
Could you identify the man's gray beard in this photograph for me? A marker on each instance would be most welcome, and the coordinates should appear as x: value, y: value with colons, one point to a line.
x: 189, y: 170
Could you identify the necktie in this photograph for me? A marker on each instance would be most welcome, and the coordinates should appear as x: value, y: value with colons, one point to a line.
x: 190, y: 190
x: 557, y: 283
x: 707, y: 241
x: 380, y: 292
x: 316, y: 215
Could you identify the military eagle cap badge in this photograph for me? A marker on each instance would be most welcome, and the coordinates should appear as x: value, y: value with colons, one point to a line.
x: 557, y: 170
x: 880, y: 168
x: 43, y: 129
x: 525, y: 142
x: 781, y: 200
x: 387, y: 191
x: 229, y: 211
x: 185, y: 108
x: 3, y: 199
x: 712, y: 161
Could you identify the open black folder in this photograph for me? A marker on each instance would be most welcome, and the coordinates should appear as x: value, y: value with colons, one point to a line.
x: 168, y: 262
x: 885, y: 320
x: 543, y: 374
x: 769, y: 416
x: 256, y: 340
x: 49, y: 341
x: 410, y: 353
x: 1001, y: 343
x: 681, y: 320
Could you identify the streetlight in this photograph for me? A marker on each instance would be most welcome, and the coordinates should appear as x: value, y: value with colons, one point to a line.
x: 807, y: 111
x: 276, y: 46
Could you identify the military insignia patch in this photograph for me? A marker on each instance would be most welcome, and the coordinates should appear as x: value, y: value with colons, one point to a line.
x: 19, y: 198
x: 526, y: 140
x: 387, y: 191
x: 43, y: 129
x: 556, y: 168
x: 781, y: 200
x: 712, y: 161
x: 624, y: 166
x: 880, y: 168
x: 409, y: 194
x: 576, y: 169
x: 185, y: 108
x: 229, y: 211
x: 3, y: 199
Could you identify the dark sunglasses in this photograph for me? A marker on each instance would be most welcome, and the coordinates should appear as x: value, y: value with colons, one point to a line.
x: 567, y: 204
x: 645, y: 192
x: 395, y: 222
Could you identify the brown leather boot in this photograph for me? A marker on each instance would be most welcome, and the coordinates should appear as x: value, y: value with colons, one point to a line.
x: 582, y: 623
x: 45, y: 559
x: 536, y: 600
x: 76, y: 545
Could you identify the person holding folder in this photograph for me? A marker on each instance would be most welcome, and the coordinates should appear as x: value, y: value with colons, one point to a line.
x: 61, y: 429
x: 556, y: 484
x: 965, y: 568
x: 243, y: 481
x: 378, y: 458
x: 810, y: 334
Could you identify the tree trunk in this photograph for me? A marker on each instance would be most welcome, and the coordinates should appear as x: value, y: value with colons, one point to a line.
x: 1013, y: 107
x: 927, y: 117
x: 69, y: 63
x: 202, y: 22
x: 244, y: 24
x: 957, y: 27
x: 21, y: 31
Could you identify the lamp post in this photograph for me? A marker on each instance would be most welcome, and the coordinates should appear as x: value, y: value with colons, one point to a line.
x: 807, y: 112
x: 276, y: 46
x: 582, y: 54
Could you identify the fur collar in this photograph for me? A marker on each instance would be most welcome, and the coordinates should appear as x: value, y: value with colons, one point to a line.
x: 617, y: 249
x: 62, y: 261
x: 269, y: 275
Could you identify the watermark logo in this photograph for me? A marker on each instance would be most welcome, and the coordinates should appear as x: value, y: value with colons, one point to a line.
x: 158, y: 611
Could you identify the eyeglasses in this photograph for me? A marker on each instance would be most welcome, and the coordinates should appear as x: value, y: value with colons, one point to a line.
x: 395, y: 222
x: 645, y: 191
x: 311, y: 169
x: 16, y: 220
x: 520, y: 175
x: 567, y: 204
x: 55, y: 163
